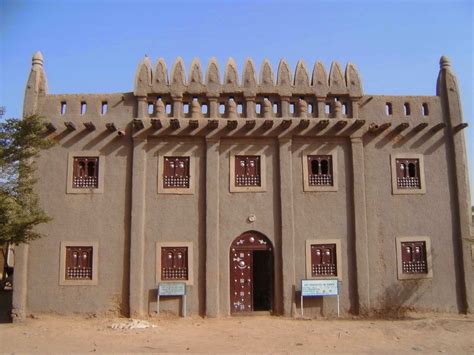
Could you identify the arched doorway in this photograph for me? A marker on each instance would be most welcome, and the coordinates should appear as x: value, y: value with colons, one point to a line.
x: 251, y: 273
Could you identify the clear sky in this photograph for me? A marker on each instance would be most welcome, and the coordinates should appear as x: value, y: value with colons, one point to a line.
x: 94, y: 46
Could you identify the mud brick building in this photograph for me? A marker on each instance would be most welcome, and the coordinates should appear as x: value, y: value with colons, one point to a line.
x: 241, y: 186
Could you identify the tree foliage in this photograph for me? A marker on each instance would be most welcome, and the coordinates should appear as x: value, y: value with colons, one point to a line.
x: 21, y: 140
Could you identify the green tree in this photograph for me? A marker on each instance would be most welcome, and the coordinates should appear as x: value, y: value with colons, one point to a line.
x: 21, y: 140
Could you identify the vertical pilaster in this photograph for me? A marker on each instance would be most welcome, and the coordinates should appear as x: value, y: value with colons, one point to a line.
x: 287, y: 226
x: 355, y: 108
x: 20, y: 282
x: 177, y: 106
x: 448, y: 90
x: 213, y: 107
x: 141, y: 106
x: 212, y: 227
x: 250, y: 107
x: 285, y: 106
x: 360, y: 224
x: 137, y: 232
x: 321, y: 106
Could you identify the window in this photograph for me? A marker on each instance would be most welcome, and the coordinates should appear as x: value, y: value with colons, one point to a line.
x: 424, y: 109
x: 79, y: 263
x: 323, y: 259
x: 408, y: 174
x: 176, y: 172
x: 320, y: 168
x: 414, y: 258
x: 406, y: 109
x: 174, y: 262
x: 247, y: 170
x: 85, y: 172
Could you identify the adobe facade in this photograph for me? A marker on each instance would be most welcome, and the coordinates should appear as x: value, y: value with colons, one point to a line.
x: 242, y: 187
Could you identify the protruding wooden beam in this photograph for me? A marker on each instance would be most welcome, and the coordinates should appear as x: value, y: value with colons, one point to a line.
x: 375, y: 128
x: 303, y: 124
x: 70, y: 126
x: 402, y: 126
x: 421, y: 126
x: 285, y: 124
x: 438, y: 127
x: 231, y: 124
x: 156, y: 123
x: 174, y: 123
x: 138, y: 124
x: 322, y: 124
x: 461, y: 126
x: 340, y: 124
x: 250, y: 124
x: 89, y: 126
x: 358, y: 123
x: 50, y: 127
x: 193, y: 124
x: 267, y: 124
x: 212, y: 124
x: 110, y: 127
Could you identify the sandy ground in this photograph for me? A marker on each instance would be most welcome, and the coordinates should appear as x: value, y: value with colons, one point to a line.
x: 261, y: 334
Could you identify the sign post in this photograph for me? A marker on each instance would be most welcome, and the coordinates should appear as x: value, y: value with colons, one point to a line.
x: 319, y: 288
x: 172, y: 289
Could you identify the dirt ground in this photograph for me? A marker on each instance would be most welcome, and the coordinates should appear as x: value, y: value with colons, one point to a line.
x: 260, y: 334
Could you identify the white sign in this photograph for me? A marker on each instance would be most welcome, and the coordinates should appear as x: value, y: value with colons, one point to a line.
x: 172, y: 289
x: 319, y: 288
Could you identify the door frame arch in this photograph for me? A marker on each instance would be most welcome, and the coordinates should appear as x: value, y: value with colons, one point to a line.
x: 241, y: 257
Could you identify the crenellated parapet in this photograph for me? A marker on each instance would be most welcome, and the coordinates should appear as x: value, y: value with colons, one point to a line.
x: 262, y: 95
x: 246, y: 102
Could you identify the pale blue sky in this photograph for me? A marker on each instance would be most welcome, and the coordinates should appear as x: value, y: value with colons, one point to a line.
x: 95, y: 45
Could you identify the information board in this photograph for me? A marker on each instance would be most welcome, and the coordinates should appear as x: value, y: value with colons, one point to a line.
x: 172, y: 289
x: 319, y: 288
x: 315, y: 288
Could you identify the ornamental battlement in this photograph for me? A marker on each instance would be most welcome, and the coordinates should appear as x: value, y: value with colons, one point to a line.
x: 175, y: 100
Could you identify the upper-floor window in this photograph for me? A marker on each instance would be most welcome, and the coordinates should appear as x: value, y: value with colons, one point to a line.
x: 320, y: 170
x: 247, y: 170
x: 408, y: 173
x: 176, y: 172
x: 85, y: 172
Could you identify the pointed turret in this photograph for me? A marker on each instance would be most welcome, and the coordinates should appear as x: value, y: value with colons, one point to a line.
x: 337, y: 84
x: 353, y: 81
x: 266, y: 75
x: 143, y: 78
x: 160, y: 77
x: 36, y: 87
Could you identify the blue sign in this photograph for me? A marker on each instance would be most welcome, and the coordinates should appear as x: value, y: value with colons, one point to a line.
x: 172, y: 289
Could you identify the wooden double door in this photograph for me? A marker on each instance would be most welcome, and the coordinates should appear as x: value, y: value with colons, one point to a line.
x: 251, y: 273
